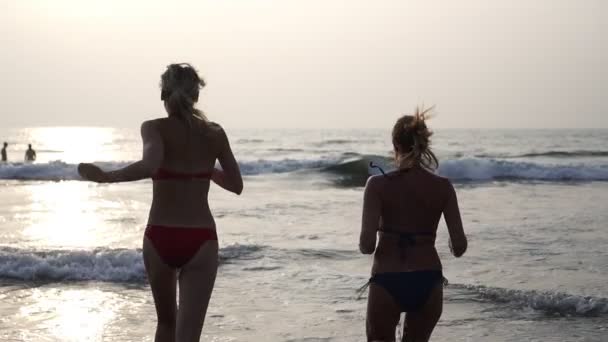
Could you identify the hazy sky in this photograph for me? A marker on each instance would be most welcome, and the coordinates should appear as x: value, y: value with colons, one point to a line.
x: 308, y: 63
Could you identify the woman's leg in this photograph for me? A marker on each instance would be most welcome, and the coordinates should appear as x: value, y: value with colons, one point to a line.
x: 382, y: 314
x: 162, y: 280
x: 196, y: 280
x: 419, y: 325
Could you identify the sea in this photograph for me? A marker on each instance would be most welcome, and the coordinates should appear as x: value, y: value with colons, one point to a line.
x: 534, y: 205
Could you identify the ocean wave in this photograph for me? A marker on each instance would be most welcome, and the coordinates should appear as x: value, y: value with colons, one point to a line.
x: 351, y: 169
x: 549, y: 302
x: 285, y: 149
x: 477, y: 169
x: 332, y: 254
x: 552, y: 154
x: 246, y: 141
x: 342, y: 142
x: 55, y: 170
x: 109, y: 265
x: 355, y: 171
x: 58, y: 170
x: 51, y: 171
x: 334, y: 142
x: 266, y: 166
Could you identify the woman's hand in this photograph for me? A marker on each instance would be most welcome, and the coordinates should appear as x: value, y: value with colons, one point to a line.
x: 92, y: 172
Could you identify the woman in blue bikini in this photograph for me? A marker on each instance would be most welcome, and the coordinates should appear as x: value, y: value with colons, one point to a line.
x: 402, y: 208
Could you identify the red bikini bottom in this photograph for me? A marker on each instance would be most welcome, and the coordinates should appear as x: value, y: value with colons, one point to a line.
x: 177, y: 245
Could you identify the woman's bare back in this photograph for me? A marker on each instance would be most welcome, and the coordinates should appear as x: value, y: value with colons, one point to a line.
x: 408, y: 204
x: 186, y: 150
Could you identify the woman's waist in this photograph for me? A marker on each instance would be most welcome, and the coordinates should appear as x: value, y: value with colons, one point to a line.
x: 170, y: 209
x: 180, y: 192
x: 181, y: 200
x: 177, y: 236
x: 407, y: 241
x: 411, y: 255
x: 194, y: 219
x: 388, y: 263
x: 402, y: 232
x: 393, y: 248
x: 180, y: 225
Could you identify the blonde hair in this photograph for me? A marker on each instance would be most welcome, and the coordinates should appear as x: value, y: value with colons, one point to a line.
x: 180, y: 85
x: 411, y: 141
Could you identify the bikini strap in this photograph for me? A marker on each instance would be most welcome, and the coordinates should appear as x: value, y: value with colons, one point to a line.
x: 362, y: 289
x: 407, y: 238
x: 162, y: 174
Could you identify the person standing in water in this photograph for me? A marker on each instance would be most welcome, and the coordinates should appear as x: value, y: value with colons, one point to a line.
x: 402, y: 208
x: 30, y: 154
x: 180, y: 246
x: 4, y: 152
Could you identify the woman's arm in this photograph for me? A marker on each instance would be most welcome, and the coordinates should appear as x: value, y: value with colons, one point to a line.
x: 144, y: 168
x: 229, y: 177
x: 370, y: 220
x: 451, y: 214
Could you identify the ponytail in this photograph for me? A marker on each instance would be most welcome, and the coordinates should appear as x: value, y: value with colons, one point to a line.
x: 180, y: 86
x: 181, y: 105
x: 411, y: 141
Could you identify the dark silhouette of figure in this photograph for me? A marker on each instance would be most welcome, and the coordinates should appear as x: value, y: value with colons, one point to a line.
x: 4, y: 152
x: 401, y: 210
x: 30, y: 154
x: 180, y: 248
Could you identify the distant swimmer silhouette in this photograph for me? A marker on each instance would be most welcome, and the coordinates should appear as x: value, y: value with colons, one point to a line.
x: 4, y: 152
x: 30, y: 154
x: 401, y: 211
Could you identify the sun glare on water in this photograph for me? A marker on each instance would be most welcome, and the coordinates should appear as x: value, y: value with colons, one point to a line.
x: 74, y: 144
x: 72, y: 314
x: 62, y: 215
x: 70, y: 214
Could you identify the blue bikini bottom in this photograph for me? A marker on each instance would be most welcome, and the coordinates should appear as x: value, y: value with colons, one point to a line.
x: 411, y: 290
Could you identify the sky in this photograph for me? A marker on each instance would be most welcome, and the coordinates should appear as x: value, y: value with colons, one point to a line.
x: 310, y: 63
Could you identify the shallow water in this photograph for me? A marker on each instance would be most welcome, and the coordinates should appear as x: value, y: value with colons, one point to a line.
x: 533, y: 205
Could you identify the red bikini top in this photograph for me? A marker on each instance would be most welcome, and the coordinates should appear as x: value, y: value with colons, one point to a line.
x: 164, y: 174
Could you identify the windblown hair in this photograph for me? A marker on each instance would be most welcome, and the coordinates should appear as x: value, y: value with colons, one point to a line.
x: 180, y: 85
x: 411, y: 141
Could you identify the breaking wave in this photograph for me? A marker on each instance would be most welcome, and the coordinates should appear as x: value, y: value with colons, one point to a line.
x: 552, y: 154
x: 353, y: 169
x: 103, y: 264
x: 549, y: 302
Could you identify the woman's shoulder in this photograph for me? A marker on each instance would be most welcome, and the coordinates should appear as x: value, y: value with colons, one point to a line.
x: 375, y: 182
x: 155, y: 123
x: 442, y: 185
x: 214, y: 127
x: 440, y: 180
x: 436, y: 175
x: 151, y: 125
x: 213, y: 130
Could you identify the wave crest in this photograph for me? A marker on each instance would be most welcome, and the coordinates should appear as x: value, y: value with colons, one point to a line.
x: 552, y: 154
x: 476, y: 169
x: 352, y: 169
x: 554, y: 303
x: 110, y: 265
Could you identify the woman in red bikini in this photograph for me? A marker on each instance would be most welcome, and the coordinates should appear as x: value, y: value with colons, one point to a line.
x: 179, y: 154
x: 403, y: 209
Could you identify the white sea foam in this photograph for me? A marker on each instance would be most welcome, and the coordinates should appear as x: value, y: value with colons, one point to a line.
x: 111, y: 265
x: 118, y: 265
x: 462, y: 169
x: 550, y: 302
x: 477, y: 169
